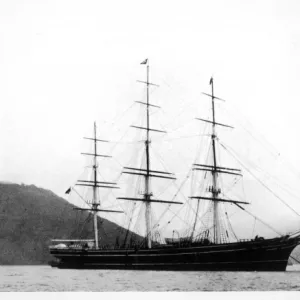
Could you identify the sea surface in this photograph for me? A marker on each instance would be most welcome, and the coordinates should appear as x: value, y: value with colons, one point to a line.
x: 47, y: 279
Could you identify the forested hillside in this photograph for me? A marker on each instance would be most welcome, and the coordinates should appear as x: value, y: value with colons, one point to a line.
x: 30, y: 217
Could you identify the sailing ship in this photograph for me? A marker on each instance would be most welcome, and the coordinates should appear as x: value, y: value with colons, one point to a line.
x: 210, y: 249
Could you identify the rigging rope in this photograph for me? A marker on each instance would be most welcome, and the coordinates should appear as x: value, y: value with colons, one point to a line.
x: 274, y: 152
x: 73, y: 189
x: 230, y: 226
x: 211, y: 227
x: 260, y: 220
x: 157, y: 140
x: 87, y: 220
x: 275, y: 195
x: 239, y: 113
x: 295, y: 259
x: 122, y: 114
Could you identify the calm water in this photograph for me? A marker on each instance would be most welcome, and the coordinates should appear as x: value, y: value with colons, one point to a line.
x: 45, y: 278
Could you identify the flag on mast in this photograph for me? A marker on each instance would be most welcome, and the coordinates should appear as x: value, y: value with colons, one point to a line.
x: 211, y: 81
x: 68, y: 190
x: 144, y: 61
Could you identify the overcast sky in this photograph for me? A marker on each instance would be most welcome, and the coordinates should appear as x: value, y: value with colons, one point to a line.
x: 65, y: 64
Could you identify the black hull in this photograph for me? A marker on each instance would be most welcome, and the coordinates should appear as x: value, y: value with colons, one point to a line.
x: 266, y: 255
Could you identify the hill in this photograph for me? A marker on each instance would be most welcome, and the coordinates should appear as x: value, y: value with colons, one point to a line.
x: 31, y: 216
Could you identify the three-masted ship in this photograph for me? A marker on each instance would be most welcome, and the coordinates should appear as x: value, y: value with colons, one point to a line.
x: 207, y: 250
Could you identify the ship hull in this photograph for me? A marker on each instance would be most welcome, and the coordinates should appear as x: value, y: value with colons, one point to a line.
x: 266, y: 255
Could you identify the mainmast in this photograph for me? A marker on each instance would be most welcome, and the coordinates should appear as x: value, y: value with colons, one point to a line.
x: 147, y: 172
x: 147, y: 177
x: 95, y: 184
x: 215, y: 170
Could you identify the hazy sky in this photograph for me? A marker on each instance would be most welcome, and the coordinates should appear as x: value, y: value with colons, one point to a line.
x: 66, y: 63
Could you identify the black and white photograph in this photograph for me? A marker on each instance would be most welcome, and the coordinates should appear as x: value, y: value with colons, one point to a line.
x: 150, y: 146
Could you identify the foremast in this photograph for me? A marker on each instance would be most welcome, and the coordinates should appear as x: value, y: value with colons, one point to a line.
x: 95, y: 185
x: 147, y: 172
x: 214, y: 169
